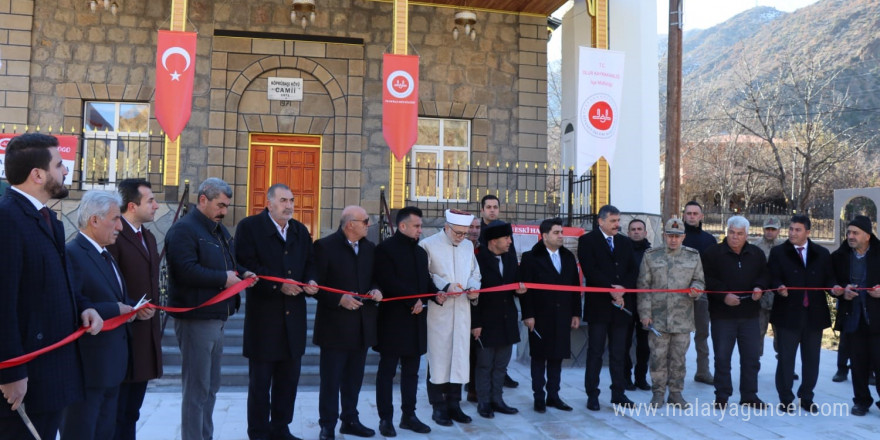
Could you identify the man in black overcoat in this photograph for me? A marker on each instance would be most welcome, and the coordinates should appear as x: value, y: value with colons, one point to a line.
x: 549, y: 315
x: 273, y: 243
x: 494, y: 322
x: 607, y: 260
x: 36, y: 292
x: 402, y: 270
x: 799, y: 316
x: 345, y: 325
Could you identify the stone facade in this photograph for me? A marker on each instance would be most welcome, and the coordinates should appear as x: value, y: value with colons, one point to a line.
x: 57, y: 54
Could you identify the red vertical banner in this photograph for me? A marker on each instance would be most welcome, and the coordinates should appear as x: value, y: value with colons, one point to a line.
x: 400, y: 102
x: 175, y: 71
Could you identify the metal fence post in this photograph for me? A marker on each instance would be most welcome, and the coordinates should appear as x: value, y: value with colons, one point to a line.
x: 570, y: 196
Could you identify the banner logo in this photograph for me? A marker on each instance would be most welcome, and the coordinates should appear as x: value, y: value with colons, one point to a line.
x: 400, y: 84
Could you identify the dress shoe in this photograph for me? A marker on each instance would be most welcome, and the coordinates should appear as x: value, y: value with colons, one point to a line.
x: 509, y: 382
x: 503, y: 408
x: 859, y: 409
x: 643, y: 385
x: 630, y: 386
x: 720, y: 404
x: 810, y: 406
x: 412, y: 423
x: 283, y: 436
x: 840, y: 376
x: 623, y: 401
x: 441, y: 417
x: 386, y: 428
x: 705, y: 378
x: 485, y: 411
x: 457, y: 415
x: 786, y: 407
x: 755, y: 403
x: 593, y: 403
x: 327, y: 434
x: 558, y: 404
x: 472, y: 396
x: 540, y: 406
x: 357, y: 429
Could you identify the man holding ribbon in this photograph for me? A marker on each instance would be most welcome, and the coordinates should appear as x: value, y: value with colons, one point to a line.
x: 669, y: 315
x: 272, y: 243
x: 455, y: 272
x: 36, y: 293
x: 345, y: 324
x: 201, y: 264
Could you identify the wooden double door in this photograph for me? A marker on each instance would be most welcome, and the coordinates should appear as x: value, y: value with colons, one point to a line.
x: 294, y: 160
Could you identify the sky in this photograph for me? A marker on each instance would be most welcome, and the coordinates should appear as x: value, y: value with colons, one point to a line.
x: 698, y: 14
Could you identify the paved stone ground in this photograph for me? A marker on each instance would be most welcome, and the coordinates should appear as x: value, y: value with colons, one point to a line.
x: 160, y: 418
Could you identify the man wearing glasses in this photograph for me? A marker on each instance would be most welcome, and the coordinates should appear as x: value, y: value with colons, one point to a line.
x: 345, y: 325
x: 454, y: 270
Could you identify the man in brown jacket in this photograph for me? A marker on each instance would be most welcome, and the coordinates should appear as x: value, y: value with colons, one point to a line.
x: 137, y: 255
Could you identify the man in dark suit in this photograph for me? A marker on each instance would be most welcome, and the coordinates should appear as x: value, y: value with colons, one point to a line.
x: 494, y: 323
x: 550, y: 315
x: 201, y: 263
x: 40, y: 306
x: 696, y: 238
x: 857, y: 267
x: 273, y: 243
x: 403, y: 329
x: 104, y: 356
x: 345, y: 325
x: 137, y: 256
x: 799, y: 316
x: 607, y: 260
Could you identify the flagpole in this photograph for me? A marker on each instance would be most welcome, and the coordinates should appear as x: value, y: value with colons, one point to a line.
x: 171, y: 171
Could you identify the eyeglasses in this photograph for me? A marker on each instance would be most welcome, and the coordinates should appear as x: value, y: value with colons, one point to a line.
x: 365, y: 221
x: 459, y: 234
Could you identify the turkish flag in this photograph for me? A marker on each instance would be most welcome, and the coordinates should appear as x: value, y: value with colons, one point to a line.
x: 175, y: 70
x: 400, y: 102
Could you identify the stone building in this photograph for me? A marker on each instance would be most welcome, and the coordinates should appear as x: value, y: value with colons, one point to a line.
x: 89, y: 73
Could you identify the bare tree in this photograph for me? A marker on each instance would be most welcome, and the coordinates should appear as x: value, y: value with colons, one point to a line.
x: 800, y: 118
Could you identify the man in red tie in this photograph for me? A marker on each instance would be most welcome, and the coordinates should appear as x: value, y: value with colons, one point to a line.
x: 799, y: 316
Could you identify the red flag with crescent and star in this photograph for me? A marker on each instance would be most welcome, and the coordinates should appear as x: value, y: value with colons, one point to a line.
x: 175, y: 70
x: 400, y: 102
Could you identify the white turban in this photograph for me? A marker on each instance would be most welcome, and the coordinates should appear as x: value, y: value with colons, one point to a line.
x: 458, y: 219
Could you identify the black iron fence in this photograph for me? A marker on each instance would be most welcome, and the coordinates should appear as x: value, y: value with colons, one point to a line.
x: 822, y: 225
x: 529, y: 192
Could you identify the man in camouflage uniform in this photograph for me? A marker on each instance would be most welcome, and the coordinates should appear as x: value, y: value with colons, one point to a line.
x: 767, y: 242
x: 671, y: 314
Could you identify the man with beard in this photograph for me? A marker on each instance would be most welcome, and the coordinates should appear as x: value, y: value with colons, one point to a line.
x: 637, y: 232
x: 607, y: 260
x: 736, y: 266
x: 695, y: 237
x: 273, y: 243
x: 455, y: 272
x: 136, y: 253
x: 550, y: 315
x: 36, y: 292
x: 494, y: 323
x: 402, y: 327
x: 857, y: 267
x: 799, y: 316
x: 201, y: 263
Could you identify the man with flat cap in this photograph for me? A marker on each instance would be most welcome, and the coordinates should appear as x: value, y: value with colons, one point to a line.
x: 856, y: 266
x: 455, y: 272
x: 494, y: 321
x: 670, y: 315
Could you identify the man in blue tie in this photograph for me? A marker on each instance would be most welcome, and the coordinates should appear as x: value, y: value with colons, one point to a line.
x: 607, y: 261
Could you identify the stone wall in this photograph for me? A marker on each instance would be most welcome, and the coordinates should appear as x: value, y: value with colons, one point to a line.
x: 497, y: 81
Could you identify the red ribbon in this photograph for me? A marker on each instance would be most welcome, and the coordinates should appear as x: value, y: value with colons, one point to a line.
x: 235, y: 289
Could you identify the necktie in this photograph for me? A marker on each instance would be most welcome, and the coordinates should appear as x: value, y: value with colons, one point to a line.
x: 610, y: 241
x: 45, y: 212
x: 355, y: 247
x: 140, y: 237
x: 800, y: 250
x: 556, y: 262
x: 500, y: 265
x: 109, y: 260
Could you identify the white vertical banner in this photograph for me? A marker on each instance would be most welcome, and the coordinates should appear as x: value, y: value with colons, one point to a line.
x: 600, y: 85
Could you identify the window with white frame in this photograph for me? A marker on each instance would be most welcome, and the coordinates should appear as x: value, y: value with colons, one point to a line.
x: 116, y: 142
x: 440, y: 160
